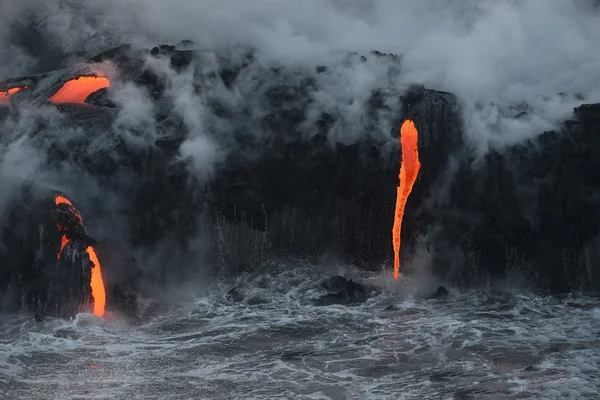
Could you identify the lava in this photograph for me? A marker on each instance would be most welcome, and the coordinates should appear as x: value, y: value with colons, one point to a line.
x: 59, y: 199
x: 5, y: 95
x: 64, y: 241
x: 78, y: 89
x: 96, y: 281
x: 409, y: 169
x: 63, y: 200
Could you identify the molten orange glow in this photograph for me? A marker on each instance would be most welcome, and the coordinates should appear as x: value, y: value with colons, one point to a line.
x: 63, y: 200
x: 77, y: 90
x: 63, y: 243
x: 5, y: 95
x: 97, y: 283
x: 409, y: 169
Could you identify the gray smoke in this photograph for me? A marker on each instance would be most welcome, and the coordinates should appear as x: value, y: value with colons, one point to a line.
x: 533, y: 58
x: 518, y: 66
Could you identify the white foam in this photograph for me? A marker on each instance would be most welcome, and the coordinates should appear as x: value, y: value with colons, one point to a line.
x: 500, y: 344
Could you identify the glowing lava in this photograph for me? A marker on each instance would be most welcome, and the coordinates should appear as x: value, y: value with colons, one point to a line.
x: 96, y: 281
x: 63, y: 243
x: 409, y: 169
x: 63, y: 200
x: 77, y: 90
x: 5, y: 95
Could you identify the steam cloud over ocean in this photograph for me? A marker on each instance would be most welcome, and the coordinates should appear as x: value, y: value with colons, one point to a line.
x: 231, y: 181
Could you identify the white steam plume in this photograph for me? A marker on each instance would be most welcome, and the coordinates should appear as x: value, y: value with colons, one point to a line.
x: 494, y: 54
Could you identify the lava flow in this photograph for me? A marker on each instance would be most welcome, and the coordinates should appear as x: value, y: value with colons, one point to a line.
x: 409, y: 169
x: 63, y: 200
x: 5, y: 95
x: 96, y: 281
x: 63, y: 243
x: 78, y: 89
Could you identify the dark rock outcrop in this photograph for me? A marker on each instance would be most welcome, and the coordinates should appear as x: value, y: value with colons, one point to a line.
x: 529, y: 210
x: 440, y: 293
x: 234, y: 295
x: 341, y: 291
x: 35, y: 273
x: 289, y: 183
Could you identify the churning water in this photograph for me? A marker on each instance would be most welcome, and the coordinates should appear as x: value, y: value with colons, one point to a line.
x: 278, y: 344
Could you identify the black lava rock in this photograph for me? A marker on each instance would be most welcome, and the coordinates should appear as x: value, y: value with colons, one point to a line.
x: 440, y: 293
x: 341, y: 291
x: 234, y: 295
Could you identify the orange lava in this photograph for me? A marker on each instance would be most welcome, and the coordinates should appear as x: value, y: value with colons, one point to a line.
x: 63, y: 243
x: 77, y: 90
x: 97, y: 283
x: 5, y: 95
x: 409, y: 169
x: 63, y: 200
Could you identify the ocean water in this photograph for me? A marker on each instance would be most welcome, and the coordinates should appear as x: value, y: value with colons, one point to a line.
x: 278, y: 344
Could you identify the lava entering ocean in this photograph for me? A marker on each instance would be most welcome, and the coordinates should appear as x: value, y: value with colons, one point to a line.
x: 77, y: 90
x: 409, y: 169
x: 96, y: 281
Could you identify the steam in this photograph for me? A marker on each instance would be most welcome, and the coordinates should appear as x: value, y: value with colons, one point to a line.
x: 519, y: 68
x: 188, y: 106
x: 19, y: 163
x: 499, y: 57
x: 135, y: 120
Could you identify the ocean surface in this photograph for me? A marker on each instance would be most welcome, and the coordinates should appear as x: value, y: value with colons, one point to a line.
x: 507, y: 344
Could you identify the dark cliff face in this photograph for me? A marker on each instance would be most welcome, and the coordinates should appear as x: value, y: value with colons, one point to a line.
x: 285, y: 185
x: 38, y: 272
x: 530, y: 210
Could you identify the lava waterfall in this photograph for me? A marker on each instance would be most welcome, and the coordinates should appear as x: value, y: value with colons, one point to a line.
x: 409, y: 137
x: 268, y: 176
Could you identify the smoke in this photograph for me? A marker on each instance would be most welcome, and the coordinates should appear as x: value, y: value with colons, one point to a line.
x: 536, y: 59
x: 518, y: 67
x: 188, y: 106
x: 136, y: 110
x: 19, y: 163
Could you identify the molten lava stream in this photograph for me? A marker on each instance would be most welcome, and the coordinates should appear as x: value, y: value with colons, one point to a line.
x: 97, y: 283
x: 409, y: 169
x: 5, y: 95
x: 77, y: 90
x: 63, y: 243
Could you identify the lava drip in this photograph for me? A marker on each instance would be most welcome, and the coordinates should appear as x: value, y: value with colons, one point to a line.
x: 78, y: 89
x: 96, y: 281
x: 64, y: 241
x: 409, y: 170
x: 59, y: 199
x: 5, y: 95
